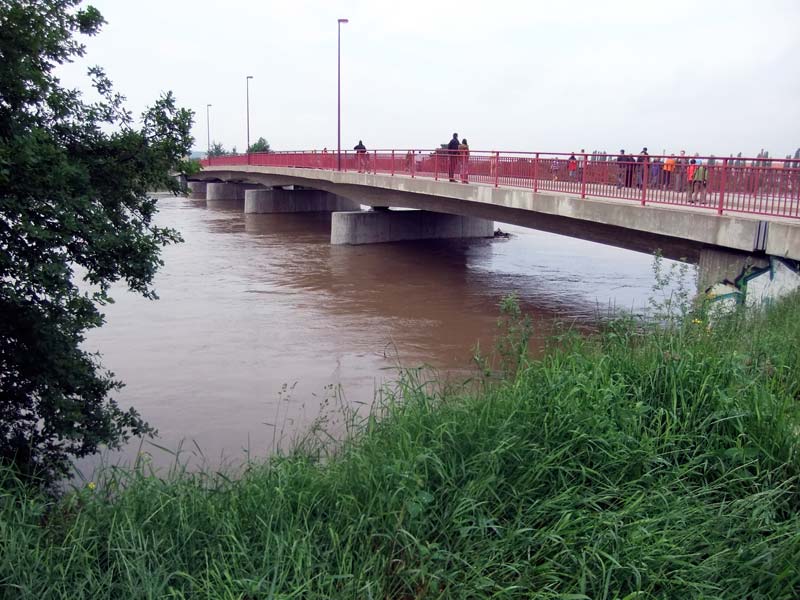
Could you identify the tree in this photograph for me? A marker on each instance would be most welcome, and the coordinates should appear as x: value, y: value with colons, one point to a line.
x: 217, y: 149
x: 74, y: 205
x: 261, y: 145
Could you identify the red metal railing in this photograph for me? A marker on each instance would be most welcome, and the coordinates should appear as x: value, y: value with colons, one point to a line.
x: 744, y: 185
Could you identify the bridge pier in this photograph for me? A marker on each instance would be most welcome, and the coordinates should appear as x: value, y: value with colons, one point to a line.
x: 294, y: 201
x: 369, y: 227
x: 228, y: 191
x: 197, y: 190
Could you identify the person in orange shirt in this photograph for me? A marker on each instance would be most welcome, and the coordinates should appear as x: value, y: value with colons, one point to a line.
x: 668, y: 168
x: 690, y: 179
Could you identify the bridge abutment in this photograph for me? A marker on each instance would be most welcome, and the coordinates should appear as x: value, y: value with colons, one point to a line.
x: 295, y: 201
x: 374, y: 227
x: 717, y: 265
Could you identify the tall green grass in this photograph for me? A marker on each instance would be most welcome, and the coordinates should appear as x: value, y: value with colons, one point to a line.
x: 641, y: 462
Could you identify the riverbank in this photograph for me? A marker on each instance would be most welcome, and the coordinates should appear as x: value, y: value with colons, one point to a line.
x: 641, y: 462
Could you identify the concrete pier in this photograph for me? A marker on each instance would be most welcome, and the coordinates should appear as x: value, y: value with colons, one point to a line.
x: 295, y: 201
x: 367, y: 227
x: 197, y: 190
x: 228, y: 191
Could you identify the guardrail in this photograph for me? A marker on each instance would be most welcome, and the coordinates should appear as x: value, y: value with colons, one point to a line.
x: 744, y: 185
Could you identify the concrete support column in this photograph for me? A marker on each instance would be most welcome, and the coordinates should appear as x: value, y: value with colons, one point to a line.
x: 364, y: 227
x: 719, y: 264
x: 197, y: 190
x: 294, y: 201
x: 228, y: 191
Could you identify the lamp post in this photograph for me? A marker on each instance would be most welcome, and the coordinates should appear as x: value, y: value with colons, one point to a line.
x: 339, y: 94
x: 247, y: 79
x: 208, y: 130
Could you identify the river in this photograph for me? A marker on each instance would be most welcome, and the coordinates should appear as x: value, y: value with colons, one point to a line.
x: 260, y: 320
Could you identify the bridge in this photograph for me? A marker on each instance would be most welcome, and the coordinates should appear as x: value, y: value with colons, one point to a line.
x: 735, y: 213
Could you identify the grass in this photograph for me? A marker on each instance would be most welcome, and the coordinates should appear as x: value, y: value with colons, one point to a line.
x: 642, y: 462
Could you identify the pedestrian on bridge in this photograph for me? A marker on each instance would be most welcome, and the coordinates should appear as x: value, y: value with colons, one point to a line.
x: 624, y: 169
x: 668, y: 168
x: 555, y: 166
x: 463, y: 150
x: 641, y: 167
x: 452, y: 151
x: 655, y: 172
x: 361, y: 156
x: 680, y: 171
x: 572, y: 166
x: 698, y: 178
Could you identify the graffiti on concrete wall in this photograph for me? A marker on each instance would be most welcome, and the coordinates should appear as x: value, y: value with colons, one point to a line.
x: 757, y: 287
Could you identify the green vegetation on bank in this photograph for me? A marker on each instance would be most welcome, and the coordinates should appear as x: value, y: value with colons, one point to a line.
x: 642, y: 462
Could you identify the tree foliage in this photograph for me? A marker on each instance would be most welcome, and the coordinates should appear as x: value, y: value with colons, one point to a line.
x: 74, y: 181
x: 217, y: 149
x: 260, y: 145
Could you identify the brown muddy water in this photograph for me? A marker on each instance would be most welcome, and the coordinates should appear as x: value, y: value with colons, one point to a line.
x: 260, y: 320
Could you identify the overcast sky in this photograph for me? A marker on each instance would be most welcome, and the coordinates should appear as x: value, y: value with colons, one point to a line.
x: 708, y: 76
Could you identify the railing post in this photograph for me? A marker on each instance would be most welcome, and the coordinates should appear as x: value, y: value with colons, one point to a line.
x: 436, y: 166
x: 643, y: 174
x: 413, y: 162
x: 536, y: 173
x: 374, y: 162
x: 583, y: 175
x: 248, y: 157
x: 722, y: 182
x: 392, y: 163
x: 496, y: 169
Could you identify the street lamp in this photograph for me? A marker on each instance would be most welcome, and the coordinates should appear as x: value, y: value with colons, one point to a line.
x: 249, y: 77
x: 208, y: 130
x: 339, y: 93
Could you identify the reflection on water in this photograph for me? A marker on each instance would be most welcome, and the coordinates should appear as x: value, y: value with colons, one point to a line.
x: 252, y: 303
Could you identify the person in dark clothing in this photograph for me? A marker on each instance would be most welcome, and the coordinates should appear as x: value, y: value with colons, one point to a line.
x: 623, y: 170
x: 680, y: 171
x: 361, y: 155
x: 452, y: 150
x: 641, y: 167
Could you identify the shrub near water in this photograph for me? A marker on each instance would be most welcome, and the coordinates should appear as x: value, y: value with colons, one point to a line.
x: 638, y: 463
